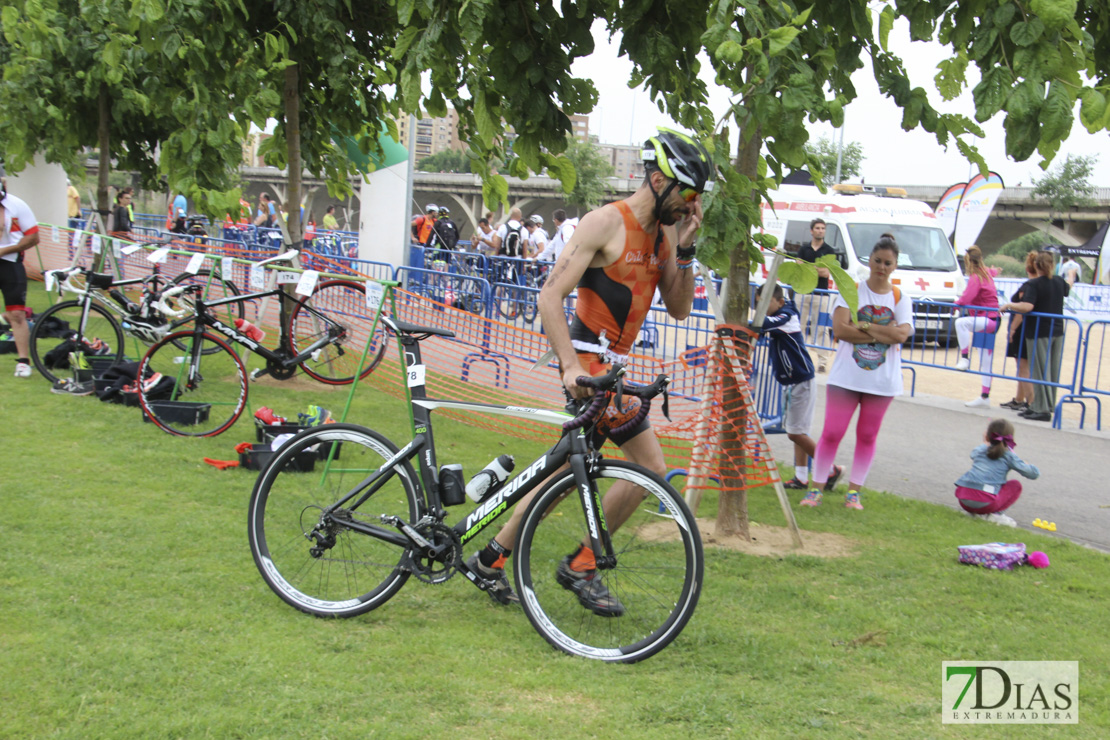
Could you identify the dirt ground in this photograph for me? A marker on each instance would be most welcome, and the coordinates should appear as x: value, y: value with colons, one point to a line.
x: 767, y: 540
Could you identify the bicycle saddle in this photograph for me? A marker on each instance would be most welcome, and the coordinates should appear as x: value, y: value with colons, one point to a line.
x: 420, y: 332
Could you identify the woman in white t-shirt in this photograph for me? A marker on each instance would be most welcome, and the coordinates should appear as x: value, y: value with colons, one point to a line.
x: 867, y: 371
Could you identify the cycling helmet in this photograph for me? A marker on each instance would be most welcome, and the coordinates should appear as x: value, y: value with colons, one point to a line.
x: 679, y: 157
x: 537, y: 219
x: 430, y: 208
x: 444, y: 211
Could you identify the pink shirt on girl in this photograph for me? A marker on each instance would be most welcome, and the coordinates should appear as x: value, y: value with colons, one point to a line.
x: 979, y: 293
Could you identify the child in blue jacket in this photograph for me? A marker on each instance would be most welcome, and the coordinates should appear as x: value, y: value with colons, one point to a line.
x: 793, y: 368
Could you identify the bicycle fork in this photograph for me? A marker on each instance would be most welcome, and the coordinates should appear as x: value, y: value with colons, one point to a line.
x: 601, y: 542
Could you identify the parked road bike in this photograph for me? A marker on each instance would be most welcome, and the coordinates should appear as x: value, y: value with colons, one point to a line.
x: 104, y: 311
x: 341, y: 519
x: 323, y: 334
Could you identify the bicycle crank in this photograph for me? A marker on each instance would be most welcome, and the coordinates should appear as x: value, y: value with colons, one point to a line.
x: 438, y: 568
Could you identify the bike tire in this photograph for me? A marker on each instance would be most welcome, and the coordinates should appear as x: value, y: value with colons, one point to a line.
x: 657, y: 576
x: 364, y: 572
x: 506, y: 302
x: 98, y: 324
x: 208, y: 390
x: 344, y: 303
x: 215, y: 288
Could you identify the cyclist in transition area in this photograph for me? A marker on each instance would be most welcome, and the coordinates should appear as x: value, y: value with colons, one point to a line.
x: 19, y: 231
x: 616, y: 258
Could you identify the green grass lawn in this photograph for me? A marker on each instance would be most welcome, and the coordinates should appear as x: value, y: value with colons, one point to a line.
x: 131, y: 607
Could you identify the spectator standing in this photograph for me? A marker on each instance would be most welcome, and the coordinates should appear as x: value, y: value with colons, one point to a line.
x: 866, y: 372
x: 537, y: 237
x: 508, y: 241
x: 482, y: 241
x: 264, y: 218
x: 812, y: 303
x: 1044, y: 335
x: 793, y: 370
x: 73, y: 206
x: 445, y: 234
x: 1071, y: 270
x: 19, y: 231
x: 329, y: 223
x: 980, y: 291
x: 564, y: 227
x: 422, y: 225
x: 121, y: 214
x: 1015, y: 344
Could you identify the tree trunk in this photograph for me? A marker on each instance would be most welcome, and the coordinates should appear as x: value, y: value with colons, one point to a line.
x: 293, y: 144
x: 103, y: 128
x: 732, y: 506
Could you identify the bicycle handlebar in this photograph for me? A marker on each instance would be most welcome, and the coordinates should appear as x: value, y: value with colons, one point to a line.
x: 163, y: 308
x: 283, y: 257
x: 612, y: 382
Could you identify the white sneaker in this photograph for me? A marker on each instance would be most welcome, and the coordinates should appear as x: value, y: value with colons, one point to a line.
x: 1000, y: 519
x: 22, y: 370
x: 979, y: 403
x: 963, y: 364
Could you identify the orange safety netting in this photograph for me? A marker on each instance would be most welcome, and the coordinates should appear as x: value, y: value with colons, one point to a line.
x: 713, y: 432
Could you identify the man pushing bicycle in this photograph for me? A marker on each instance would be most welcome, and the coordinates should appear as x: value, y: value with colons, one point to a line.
x: 616, y: 258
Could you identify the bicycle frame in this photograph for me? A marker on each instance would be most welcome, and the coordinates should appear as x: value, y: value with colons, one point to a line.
x: 572, y: 447
x: 205, y: 318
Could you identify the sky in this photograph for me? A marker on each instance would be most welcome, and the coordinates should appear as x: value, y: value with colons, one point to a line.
x: 892, y: 156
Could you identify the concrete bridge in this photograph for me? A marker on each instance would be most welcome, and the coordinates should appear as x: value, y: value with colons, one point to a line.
x: 1017, y: 213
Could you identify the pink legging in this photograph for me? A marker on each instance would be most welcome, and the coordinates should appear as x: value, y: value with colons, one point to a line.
x: 840, y: 405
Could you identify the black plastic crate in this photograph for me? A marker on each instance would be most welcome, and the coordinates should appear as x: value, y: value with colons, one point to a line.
x: 260, y: 455
x: 268, y: 432
x: 186, y: 413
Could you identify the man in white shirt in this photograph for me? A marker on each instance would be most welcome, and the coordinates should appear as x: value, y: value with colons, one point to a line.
x: 564, y: 227
x: 509, y: 239
x: 19, y: 231
x: 482, y: 241
x: 1071, y: 270
x: 537, y: 237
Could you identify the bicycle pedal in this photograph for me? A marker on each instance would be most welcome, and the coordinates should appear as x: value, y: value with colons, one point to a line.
x: 258, y: 373
x: 316, y: 355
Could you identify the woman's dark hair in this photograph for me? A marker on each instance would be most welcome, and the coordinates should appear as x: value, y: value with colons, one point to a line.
x: 331, y: 209
x: 886, y: 241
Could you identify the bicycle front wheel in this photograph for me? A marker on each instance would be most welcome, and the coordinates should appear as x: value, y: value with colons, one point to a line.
x: 94, y: 331
x: 656, y: 579
x: 311, y: 558
x: 340, y: 306
x: 192, y: 385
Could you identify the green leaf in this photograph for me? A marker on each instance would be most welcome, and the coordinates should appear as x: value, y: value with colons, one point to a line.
x: 483, y: 119
x: 730, y: 52
x: 845, y: 285
x: 799, y: 275
x: 886, y: 23
x: 404, y: 41
x: 1055, y: 13
x: 951, y: 77
x: 991, y: 92
x: 1027, y: 32
x: 1056, y: 113
x: 1092, y: 110
x: 779, y: 39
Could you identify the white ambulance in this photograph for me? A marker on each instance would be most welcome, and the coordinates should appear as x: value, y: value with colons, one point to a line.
x: 855, y: 217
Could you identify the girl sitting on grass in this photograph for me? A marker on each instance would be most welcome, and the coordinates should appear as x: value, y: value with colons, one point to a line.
x: 983, y: 491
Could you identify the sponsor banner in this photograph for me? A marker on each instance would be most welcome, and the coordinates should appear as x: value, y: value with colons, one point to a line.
x: 949, y: 207
x: 976, y: 205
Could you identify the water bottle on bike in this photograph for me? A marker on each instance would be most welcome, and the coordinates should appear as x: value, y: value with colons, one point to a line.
x: 490, y: 478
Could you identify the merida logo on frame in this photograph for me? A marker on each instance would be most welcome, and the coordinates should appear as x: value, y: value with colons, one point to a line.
x: 1010, y: 692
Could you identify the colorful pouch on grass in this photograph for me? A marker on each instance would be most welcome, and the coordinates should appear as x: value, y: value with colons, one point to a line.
x: 993, y: 555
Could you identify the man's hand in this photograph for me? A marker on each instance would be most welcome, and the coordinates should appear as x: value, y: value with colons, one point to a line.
x: 570, y: 381
x: 690, y: 224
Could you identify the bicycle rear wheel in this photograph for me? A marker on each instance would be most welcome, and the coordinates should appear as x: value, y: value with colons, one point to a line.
x: 192, y: 385
x: 657, y: 576
x: 313, y: 561
x: 95, y: 332
x: 340, y: 304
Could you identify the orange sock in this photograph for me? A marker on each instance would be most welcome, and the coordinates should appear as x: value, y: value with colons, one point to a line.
x: 500, y: 562
x: 584, y: 560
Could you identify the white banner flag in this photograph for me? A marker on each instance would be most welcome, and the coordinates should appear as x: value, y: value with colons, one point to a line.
x: 949, y: 206
x: 975, y: 208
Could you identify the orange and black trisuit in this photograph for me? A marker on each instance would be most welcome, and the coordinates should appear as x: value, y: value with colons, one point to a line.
x: 613, y: 302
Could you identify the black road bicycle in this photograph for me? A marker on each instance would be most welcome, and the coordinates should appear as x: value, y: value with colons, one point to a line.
x: 323, y: 334
x: 340, y: 519
x: 105, y: 310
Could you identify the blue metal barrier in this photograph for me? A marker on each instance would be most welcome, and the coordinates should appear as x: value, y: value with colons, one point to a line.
x: 1091, y: 386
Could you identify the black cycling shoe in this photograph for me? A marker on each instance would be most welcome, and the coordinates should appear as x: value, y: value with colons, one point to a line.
x: 795, y: 485
x: 500, y: 591
x: 830, y: 484
x: 591, y: 592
